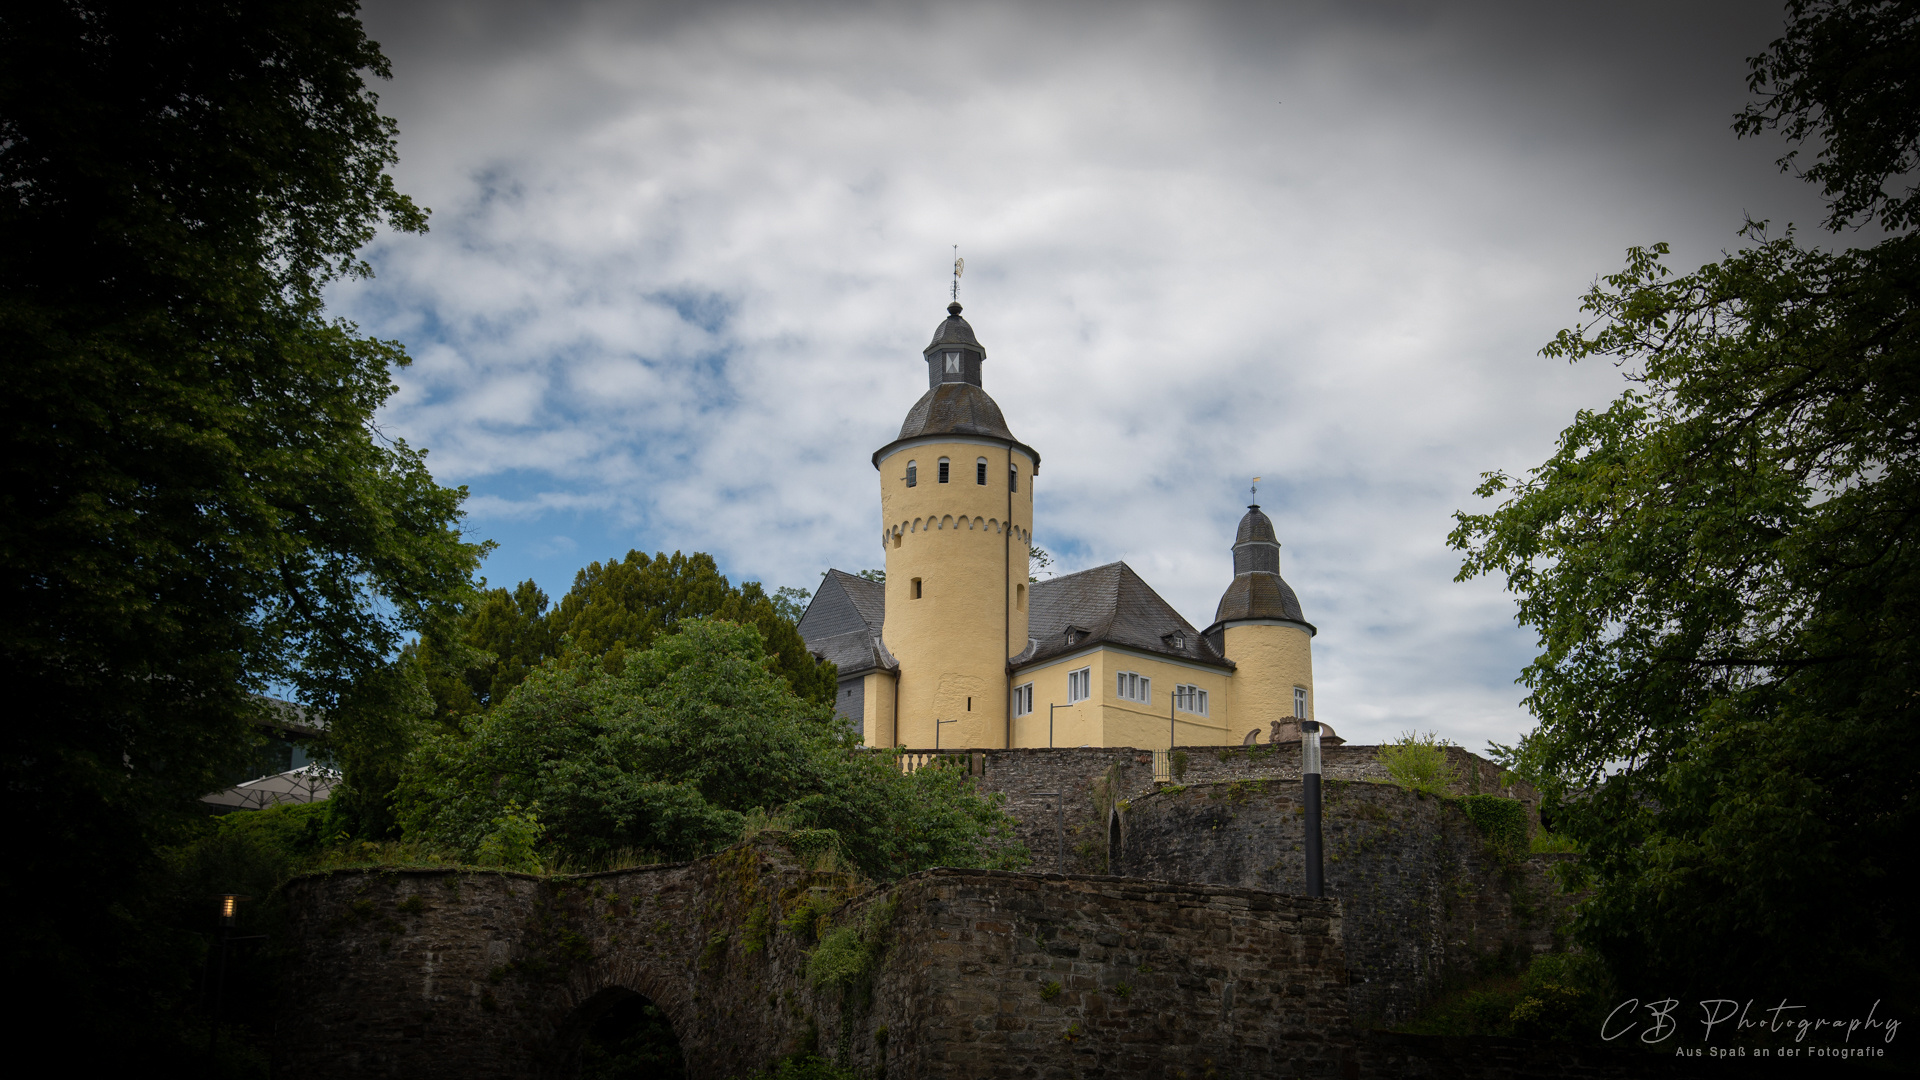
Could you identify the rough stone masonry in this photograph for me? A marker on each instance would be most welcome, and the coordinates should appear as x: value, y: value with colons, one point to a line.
x: 1198, y: 963
x: 977, y: 974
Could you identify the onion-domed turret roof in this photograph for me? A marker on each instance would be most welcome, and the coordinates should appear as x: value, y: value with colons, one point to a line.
x: 955, y: 403
x: 1258, y: 591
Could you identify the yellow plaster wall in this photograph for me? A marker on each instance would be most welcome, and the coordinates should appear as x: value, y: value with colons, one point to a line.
x: 1270, y: 660
x: 878, y: 714
x: 955, y: 538
x: 1110, y: 720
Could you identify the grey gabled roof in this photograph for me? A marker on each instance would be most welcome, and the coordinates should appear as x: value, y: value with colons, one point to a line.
x: 1109, y: 605
x: 842, y: 624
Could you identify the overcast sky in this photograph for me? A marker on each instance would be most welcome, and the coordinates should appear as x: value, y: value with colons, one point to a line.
x: 683, y: 259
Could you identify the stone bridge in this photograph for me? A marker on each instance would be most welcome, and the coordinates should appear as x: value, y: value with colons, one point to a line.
x: 971, y: 973
x: 754, y: 954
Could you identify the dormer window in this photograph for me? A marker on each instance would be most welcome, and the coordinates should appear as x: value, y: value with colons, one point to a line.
x: 1177, y: 641
x: 913, y: 474
x: 953, y: 363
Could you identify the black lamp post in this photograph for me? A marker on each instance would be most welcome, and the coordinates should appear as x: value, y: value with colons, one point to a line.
x: 229, y: 907
x: 1310, y: 790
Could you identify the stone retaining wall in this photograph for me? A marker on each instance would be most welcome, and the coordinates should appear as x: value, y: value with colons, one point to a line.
x: 1427, y: 901
x: 985, y: 974
x: 1091, y: 779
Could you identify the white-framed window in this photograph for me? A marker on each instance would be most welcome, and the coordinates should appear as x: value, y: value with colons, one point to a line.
x: 1023, y: 699
x: 980, y: 472
x: 1300, y: 703
x: 913, y: 474
x: 1133, y: 686
x: 944, y: 466
x: 1079, y: 685
x: 1013, y: 478
x: 1189, y: 698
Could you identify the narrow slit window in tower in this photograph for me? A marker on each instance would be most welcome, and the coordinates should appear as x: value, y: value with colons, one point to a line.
x: 1020, y: 597
x: 1300, y: 702
x: 913, y: 474
x: 944, y: 464
x: 1013, y: 478
x: 980, y: 472
x: 916, y: 588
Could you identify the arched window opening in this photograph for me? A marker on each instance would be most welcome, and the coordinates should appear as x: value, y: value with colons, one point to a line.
x: 1013, y: 478
x: 944, y: 465
x: 1113, y: 841
x: 913, y: 474
x: 627, y: 1035
x: 980, y: 472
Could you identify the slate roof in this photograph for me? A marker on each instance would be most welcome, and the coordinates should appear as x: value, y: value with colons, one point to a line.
x: 955, y: 408
x: 1109, y: 605
x: 1256, y: 526
x: 1258, y: 591
x: 954, y: 331
x: 1258, y: 595
x: 842, y: 624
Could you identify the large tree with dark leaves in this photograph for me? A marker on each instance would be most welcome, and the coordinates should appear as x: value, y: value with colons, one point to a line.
x: 501, y: 636
x: 195, y: 502
x: 1724, y: 568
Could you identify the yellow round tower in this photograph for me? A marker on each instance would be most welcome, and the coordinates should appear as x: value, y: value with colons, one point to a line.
x: 1259, y: 626
x: 956, y: 505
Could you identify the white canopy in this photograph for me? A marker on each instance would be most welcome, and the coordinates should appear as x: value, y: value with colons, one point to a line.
x: 308, y: 783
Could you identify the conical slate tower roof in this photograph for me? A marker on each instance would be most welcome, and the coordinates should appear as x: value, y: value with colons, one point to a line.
x: 955, y: 403
x: 1258, y: 591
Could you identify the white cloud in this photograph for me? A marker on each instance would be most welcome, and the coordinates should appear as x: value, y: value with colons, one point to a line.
x: 683, y: 260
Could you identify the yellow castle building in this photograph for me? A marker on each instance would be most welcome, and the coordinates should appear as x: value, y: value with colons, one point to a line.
x: 957, y: 648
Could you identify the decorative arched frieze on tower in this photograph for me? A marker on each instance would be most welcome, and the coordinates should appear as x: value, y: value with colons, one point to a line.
x: 1259, y: 626
x: 956, y: 506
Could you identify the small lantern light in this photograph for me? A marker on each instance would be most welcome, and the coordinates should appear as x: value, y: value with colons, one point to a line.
x: 229, y: 905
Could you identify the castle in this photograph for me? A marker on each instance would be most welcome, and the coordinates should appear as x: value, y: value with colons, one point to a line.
x: 957, y: 647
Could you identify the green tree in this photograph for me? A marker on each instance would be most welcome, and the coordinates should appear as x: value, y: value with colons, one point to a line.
x: 671, y: 751
x: 1724, y: 571
x: 195, y: 503
x: 613, y: 607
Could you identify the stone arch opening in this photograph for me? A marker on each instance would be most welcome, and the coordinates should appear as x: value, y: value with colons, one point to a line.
x: 1113, y: 841
x: 621, y: 1033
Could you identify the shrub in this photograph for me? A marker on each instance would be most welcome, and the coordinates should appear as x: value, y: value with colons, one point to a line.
x: 513, y: 841
x: 1418, y: 763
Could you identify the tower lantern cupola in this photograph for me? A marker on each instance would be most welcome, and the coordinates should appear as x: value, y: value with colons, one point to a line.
x: 955, y: 355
